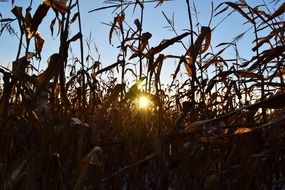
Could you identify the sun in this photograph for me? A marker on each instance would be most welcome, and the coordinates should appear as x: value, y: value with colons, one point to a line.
x: 143, y: 102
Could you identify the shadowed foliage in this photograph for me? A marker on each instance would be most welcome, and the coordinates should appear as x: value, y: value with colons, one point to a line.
x: 76, y: 125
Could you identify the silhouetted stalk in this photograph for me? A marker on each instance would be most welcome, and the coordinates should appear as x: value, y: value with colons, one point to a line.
x: 192, y: 43
x: 21, y: 40
x: 124, y: 54
x: 237, y: 68
x: 199, y: 64
x: 140, y: 41
x: 63, y: 51
x: 81, y: 57
x: 260, y: 69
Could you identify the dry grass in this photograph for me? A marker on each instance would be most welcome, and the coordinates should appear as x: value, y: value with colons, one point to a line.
x: 84, y: 132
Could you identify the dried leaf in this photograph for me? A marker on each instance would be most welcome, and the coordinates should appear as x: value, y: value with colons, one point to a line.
x: 108, y: 68
x: 117, y: 20
x: 278, y: 12
x: 247, y: 74
x: 188, y: 69
x: 138, y: 24
x: 57, y: 5
x: 56, y: 62
x: 238, y: 9
x: 267, y: 56
x: 195, y: 48
x: 39, y: 15
x: 52, y: 26
x: 144, y: 41
x: 75, y: 37
x: 28, y: 24
x: 242, y: 130
x: 165, y: 44
x: 7, y: 20
x: 75, y: 16
x: 39, y: 42
x: 17, y: 11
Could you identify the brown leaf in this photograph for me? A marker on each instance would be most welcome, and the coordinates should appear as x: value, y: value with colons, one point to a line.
x: 39, y: 42
x: 144, y: 41
x: 195, y: 48
x: 188, y: 69
x: 39, y: 15
x: 267, y: 56
x: 108, y: 68
x: 208, y: 36
x: 238, y: 9
x: 278, y: 12
x: 75, y: 16
x: 138, y: 24
x: 117, y: 20
x: 17, y: 11
x: 75, y: 37
x: 56, y: 62
x: 52, y: 26
x: 165, y: 44
x: 57, y: 5
x: 247, y: 74
x: 19, y: 69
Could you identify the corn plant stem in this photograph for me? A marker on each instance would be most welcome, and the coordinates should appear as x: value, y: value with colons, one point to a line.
x: 63, y: 51
x: 237, y: 68
x: 21, y: 40
x: 192, y: 43
x: 200, y: 63
x: 81, y: 57
x: 140, y: 34
x: 28, y: 45
x: 260, y: 70
x: 124, y: 54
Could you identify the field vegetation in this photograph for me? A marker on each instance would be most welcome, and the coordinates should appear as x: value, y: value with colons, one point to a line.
x: 77, y: 125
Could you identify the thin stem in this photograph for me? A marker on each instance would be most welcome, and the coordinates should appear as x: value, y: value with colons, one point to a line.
x: 192, y: 43
x: 260, y: 70
x: 140, y: 34
x: 82, y: 56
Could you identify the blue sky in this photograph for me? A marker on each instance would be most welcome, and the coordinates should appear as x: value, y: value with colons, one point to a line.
x: 154, y: 22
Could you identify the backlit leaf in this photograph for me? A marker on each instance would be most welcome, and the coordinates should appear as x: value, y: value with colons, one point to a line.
x: 57, y: 5
x: 39, y: 15
x: 39, y: 42
x: 242, y: 130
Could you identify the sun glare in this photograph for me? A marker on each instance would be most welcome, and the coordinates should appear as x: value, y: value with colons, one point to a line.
x: 143, y: 102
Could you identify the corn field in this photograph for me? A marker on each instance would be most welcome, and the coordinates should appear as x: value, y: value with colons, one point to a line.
x: 78, y: 125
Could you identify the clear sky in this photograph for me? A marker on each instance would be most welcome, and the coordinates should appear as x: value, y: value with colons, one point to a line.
x: 154, y: 23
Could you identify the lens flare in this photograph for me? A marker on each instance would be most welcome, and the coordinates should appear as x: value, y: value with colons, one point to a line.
x: 143, y: 102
